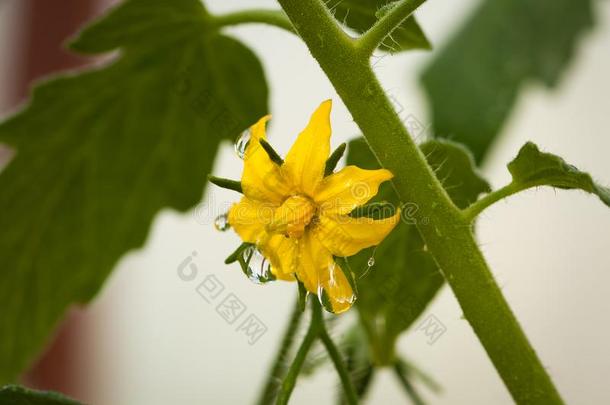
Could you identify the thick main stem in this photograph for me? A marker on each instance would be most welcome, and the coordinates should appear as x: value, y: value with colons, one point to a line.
x: 446, y: 231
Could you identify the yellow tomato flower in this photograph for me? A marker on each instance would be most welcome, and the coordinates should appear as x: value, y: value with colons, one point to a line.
x: 299, y: 219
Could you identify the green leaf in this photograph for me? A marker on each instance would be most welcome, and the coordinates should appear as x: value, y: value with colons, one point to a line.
x: 455, y: 167
x: 533, y: 168
x: 360, y: 15
x: 405, y: 278
x: 375, y: 210
x: 475, y: 80
x: 355, y: 348
x: 100, y: 153
x: 16, y: 395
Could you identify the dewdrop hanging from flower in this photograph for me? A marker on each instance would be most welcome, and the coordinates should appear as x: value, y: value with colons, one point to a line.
x: 294, y: 216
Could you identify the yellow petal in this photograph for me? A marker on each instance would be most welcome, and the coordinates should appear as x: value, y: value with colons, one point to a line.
x: 349, y: 188
x: 262, y: 179
x: 258, y: 130
x: 345, y: 236
x: 249, y: 217
x: 320, y: 274
x: 304, y: 165
x: 313, y: 257
x: 282, y: 253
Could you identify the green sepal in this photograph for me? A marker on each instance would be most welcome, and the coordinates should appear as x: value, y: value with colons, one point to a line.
x: 273, y: 155
x: 226, y: 183
x: 233, y: 257
x: 333, y: 159
x: 244, y: 263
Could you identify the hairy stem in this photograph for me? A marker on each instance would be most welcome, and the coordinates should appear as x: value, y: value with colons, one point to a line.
x: 445, y: 229
x: 276, y: 18
x: 476, y: 208
x: 368, y: 42
x: 278, y: 369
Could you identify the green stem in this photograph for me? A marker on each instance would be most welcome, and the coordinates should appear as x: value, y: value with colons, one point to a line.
x: 276, y: 18
x: 333, y: 352
x: 476, y: 208
x: 371, y: 39
x: 446, y: 231
x: 293, y: 373
x: 278, y: 368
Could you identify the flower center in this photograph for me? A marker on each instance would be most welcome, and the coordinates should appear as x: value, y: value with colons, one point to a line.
x: 292, y: 216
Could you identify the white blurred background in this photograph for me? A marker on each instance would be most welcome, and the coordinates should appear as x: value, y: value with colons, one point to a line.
x: 151, y: 339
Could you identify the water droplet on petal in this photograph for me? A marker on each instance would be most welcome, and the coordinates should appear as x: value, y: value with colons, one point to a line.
x: 371, y: 262
x: 221, y: 223
x: 334, y: 290
x: 241, y: 143
x: 256, y: 266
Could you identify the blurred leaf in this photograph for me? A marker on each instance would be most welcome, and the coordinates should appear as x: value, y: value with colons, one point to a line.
x: 474, y: 81
x: 403, y: 375
x: 16, y: 395
x: 360, y: 15
x: 405, y: 277
x: 358, y: 361
x: 316, y: 358
x: 416, y: 373
x: 533, y: 168
x: 100, y: 153
x: 361, y: 367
